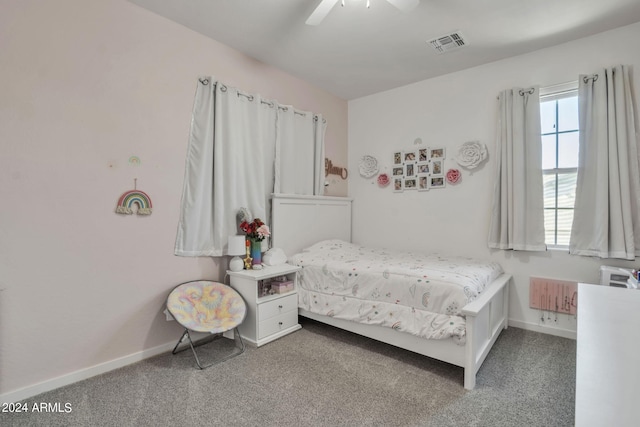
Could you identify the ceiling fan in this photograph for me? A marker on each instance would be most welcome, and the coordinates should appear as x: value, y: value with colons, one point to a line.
x: 325, y: 7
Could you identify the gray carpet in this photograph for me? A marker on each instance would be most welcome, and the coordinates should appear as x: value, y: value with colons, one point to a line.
x: 322, y: 376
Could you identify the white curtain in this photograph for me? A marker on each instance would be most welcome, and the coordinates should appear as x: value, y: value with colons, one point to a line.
x: 299, y: 152
x: 517, y: 218
x: 319, y: 128
x: 231, y: 163
x: 606, y: 220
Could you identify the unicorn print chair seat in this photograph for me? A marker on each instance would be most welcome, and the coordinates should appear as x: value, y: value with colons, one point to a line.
x: 210, y: 307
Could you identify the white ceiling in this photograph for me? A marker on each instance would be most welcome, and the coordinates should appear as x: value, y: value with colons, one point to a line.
x: 357, y: 51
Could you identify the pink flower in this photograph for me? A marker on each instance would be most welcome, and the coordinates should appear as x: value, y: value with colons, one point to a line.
x: 383, y: 180
x: 255, y: 230
x: 453, y: 176
x: 263, y: 231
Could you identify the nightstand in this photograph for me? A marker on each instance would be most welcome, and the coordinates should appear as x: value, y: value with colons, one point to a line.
x: 269, y: 315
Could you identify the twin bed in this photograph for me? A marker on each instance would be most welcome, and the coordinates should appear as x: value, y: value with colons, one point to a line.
x: 448, y: 308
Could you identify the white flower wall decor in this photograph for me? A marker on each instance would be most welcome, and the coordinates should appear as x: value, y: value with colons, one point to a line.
x: 368, y: 166
x: 471, y: 154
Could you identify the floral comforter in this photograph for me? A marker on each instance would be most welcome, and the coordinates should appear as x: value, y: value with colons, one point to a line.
x: 415, y: 293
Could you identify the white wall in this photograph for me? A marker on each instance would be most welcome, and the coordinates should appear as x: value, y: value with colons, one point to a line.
x: 85, y: 85
x: 446, y: 112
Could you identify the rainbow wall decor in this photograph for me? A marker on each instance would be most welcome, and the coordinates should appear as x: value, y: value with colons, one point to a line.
x: 133, y: 197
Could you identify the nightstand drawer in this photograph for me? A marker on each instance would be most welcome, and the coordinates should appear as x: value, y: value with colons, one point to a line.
x: 276, y: 324
x: 278, y: 306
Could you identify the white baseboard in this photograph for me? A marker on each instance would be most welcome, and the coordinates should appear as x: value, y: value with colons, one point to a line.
x: 559, y: 332
x: 83, y: 374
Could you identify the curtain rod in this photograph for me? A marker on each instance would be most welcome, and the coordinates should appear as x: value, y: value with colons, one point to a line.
x: 523, y: 91
x: 223, y: 88
x: 585, y: 79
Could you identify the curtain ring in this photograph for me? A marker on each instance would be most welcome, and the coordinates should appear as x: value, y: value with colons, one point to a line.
x: 529, y: 91
x: 587, y: 78
x: 223, y: 88
x: 249, y: 97
x: 204, y: 81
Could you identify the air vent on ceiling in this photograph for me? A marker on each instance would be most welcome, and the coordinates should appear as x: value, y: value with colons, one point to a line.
x: 448, y: 42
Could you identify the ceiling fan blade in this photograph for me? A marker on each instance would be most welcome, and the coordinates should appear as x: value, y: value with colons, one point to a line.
x: 404, y: 5
x: 320, y: 12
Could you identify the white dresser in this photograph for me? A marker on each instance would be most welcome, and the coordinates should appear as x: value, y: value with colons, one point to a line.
x: 608, y: 357
x: 270, y: 316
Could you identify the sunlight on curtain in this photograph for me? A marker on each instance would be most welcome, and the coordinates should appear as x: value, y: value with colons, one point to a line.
x: 299, y: 152
x: 320, y: 127
x: 606, y: 221
x: 517, y: 218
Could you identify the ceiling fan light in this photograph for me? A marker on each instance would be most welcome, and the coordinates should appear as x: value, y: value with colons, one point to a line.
x: 368, y: 3
x: 325, y: 6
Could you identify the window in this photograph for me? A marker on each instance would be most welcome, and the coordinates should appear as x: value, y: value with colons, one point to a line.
x: 560, y: 133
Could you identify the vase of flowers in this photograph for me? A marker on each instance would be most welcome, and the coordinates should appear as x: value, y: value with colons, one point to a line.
x: 256, y: 231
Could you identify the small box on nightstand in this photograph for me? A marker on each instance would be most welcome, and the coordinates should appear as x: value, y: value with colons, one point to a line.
x: 282, y: 287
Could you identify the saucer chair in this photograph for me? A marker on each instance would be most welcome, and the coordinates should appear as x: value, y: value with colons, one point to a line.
x: 206, y: 306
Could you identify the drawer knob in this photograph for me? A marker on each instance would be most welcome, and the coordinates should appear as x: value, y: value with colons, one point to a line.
x: 280, y: 323
x: 280, y: 307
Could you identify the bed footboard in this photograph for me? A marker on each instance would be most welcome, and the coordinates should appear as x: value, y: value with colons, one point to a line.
x: 485, y: 319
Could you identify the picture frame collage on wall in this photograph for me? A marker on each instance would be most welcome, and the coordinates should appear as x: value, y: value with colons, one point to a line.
x: 418, y: 169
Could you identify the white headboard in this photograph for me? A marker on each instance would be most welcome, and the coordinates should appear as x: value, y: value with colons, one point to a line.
x: 300, y: 221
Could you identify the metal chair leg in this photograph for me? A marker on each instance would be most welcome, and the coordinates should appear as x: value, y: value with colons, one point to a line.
x: 193, y: 346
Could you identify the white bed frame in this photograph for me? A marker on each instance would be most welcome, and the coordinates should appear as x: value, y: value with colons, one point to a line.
x: 300, y: 221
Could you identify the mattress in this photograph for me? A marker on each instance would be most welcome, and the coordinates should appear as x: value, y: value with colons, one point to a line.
x: 421, y: 294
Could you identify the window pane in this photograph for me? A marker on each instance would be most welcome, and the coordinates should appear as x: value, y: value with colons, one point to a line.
x: 567, y: 150
x: 565, y: 220
x: 560, y: 138
x: 549, y: 185
x: 566, y: 190
x: 549, y: 226
x: 549, y: 152
x: 567, y: 114
x: 548, y: 116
